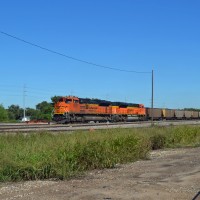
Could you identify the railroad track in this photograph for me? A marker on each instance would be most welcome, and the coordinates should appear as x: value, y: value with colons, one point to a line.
x: 24, y: 128
x: 55, y: 127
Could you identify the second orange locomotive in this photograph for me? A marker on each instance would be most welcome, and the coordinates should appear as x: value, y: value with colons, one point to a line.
x: 73, y: 109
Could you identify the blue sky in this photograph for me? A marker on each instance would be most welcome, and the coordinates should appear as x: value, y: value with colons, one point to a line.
x: 135, y: 35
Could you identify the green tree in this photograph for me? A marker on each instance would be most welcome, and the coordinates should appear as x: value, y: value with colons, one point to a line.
x: 3, y: 113
x: 55, y: 99
x: 33, y: 113
x: 45, y: 110
x: 192, y: 109
x: 15, y: 112
x: 44, y: 107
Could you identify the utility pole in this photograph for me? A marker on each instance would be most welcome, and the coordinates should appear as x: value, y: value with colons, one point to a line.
x: 152, y: 113
x: 24, y: 106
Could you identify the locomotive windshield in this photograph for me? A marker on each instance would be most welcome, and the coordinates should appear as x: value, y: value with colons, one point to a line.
x: 61, y: 100
x: 68, y: 101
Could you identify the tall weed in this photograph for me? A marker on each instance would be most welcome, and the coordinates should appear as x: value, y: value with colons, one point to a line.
x: 44, y: 155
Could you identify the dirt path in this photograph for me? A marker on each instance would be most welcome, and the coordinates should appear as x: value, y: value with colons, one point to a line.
x: 169, y: 174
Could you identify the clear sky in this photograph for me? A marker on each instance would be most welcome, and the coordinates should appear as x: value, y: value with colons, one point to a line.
x: 135, y: 35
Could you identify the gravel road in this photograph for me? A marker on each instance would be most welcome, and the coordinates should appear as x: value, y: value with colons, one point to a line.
x: 167, y: 175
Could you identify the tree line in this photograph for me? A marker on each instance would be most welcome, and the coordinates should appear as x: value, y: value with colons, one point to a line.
x: 42, y: 111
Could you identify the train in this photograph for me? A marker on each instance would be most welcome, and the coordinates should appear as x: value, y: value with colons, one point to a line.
x: 71, y: 109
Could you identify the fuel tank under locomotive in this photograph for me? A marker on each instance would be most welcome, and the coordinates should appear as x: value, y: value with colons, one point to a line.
x: 67, y: 118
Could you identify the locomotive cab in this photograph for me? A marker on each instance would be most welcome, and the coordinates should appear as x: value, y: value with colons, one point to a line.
x: 66, y: 106
x: 72, y: 104
x: 61, y: 107
x: 72, y: 99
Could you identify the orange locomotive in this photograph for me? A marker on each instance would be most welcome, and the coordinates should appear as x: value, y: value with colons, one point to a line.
x: 73, y: 109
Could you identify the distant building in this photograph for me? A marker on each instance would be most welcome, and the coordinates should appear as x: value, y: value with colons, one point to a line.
x: 26, y: 119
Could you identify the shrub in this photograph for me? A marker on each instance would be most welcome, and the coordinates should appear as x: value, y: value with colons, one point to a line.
x: 158, y: 141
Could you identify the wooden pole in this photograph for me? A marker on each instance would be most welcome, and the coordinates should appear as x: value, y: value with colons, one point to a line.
x: 152, y: 85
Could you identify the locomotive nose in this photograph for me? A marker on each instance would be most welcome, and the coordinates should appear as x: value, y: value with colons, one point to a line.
x: 61, y: 108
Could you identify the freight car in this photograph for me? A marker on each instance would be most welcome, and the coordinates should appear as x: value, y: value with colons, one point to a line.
x: 157, y: 113
x: 73, y: 109
x: 171, y: 114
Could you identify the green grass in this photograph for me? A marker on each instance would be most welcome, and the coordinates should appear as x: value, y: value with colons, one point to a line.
x: 44, y: 155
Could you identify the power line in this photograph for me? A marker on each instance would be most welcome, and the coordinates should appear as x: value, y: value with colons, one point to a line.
x: 70, y: 57
x: 12, y: 95
x: 12, y: 86
x: 44, y: 90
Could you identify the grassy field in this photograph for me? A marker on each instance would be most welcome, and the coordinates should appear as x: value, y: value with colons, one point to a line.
x: 45, y: 155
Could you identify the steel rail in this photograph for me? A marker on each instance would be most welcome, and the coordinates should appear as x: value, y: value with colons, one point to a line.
x: 91, y: 126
